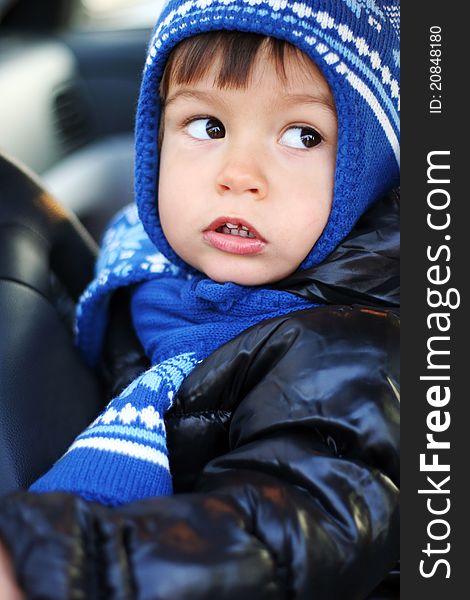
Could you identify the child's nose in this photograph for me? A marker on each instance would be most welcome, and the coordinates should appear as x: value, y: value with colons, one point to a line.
x: 242, y: 177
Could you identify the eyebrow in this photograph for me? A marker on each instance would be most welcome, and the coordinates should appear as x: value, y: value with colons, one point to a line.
x: 321, y: 99
x: 193, y: 95
x: 288, y: 99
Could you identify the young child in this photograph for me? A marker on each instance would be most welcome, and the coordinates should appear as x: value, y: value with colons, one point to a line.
x: 265, y: 130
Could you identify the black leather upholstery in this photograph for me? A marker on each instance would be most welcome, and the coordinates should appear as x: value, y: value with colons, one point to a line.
x: 47, y: 395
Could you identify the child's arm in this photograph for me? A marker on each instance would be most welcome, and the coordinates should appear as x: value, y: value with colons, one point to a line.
x: 305, y: 503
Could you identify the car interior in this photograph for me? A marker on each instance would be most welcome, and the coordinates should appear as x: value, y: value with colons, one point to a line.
x: 68, y: 90
x: 67, y: 103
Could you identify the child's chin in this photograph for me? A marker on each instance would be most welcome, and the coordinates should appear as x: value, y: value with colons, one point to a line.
x: 248, y: 276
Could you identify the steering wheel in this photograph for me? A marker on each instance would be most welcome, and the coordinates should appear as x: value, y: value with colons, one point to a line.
x: 47, y: 394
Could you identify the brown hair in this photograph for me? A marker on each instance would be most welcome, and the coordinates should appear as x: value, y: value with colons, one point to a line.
x: 236, y: 52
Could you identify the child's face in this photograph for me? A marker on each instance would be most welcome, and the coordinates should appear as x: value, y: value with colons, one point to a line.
x: 262, y: 157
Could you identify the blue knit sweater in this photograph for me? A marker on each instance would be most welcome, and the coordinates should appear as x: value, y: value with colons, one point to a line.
x: 180, y: 315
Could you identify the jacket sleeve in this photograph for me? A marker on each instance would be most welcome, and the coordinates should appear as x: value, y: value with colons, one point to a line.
x: 123, y: 358
x: 303, y: 505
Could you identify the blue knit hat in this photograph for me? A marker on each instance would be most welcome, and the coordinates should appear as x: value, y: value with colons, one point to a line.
x: 355, y: 43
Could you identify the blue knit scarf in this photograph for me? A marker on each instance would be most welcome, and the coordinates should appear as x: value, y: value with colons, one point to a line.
x: 180, y: 319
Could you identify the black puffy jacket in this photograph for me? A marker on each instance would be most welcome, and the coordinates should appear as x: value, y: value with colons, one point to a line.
x: 284, y: 449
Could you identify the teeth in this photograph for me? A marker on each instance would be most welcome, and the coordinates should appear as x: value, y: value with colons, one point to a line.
x: 232, y: 229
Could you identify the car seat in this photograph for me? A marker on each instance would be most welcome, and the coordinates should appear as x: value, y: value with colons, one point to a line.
x: 47, y: 395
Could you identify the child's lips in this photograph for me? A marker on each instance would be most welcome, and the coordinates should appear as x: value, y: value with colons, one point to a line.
x: 233, y: 243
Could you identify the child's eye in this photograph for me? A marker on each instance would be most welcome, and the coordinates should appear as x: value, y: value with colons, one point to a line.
x: 207, y: 128
x: 301, y: 137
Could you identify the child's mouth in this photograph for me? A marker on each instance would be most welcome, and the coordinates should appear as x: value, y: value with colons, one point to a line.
x: 233, y: 236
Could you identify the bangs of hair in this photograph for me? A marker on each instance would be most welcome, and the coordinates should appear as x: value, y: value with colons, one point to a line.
x: 236, y: 52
